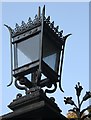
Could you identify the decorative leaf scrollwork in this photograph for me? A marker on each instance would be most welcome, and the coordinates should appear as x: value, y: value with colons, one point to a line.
x: 68, y: 100
x: 87, y: 96
x: 78, y: 89
x: 77, y: 109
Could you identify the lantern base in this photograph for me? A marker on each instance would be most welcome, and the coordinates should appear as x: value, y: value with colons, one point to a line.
x: 35, y: 106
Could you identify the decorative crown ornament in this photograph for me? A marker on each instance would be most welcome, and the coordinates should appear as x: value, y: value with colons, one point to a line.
x: 19, y: 29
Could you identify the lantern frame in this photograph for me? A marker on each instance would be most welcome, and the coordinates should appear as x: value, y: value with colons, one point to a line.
x: 40, y: 25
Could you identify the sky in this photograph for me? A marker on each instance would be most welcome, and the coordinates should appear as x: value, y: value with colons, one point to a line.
x: 89, y: 50
x: 72, y: 17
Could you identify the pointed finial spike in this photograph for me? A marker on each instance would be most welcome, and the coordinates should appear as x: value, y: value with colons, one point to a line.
x: 23, y: 23
x: 52, y: 25
x: 53, y: 22
x: 39, y: 10
x: 36, y: 16
x: 30, y: 20
x: 48, y: 20
x: 61, y: 31
x: 43, y: 11
x: 16, y: 25
x: 56, y: 29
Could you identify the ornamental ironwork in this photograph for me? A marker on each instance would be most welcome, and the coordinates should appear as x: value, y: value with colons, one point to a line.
x: 38, y: 42
x: 77, y: 108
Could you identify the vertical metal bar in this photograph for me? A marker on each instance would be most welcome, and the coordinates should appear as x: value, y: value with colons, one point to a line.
x: 57, y: 61
x: 40, y: 47
x: 41, y: 39
x: 15, y: 56
x: 62, y: 59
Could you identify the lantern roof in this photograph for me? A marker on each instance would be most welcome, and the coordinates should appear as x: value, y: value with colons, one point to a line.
x: 36, y: 22
x: 26, y: 26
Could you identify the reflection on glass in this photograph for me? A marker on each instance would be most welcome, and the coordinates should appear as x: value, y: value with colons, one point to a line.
x: 28, y: 50
x: 28, y: 76
x: 50, y: 60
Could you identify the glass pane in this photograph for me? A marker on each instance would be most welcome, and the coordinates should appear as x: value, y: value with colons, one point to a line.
x: 50, y: 60
x: 28, y: 50
x: 50, y: 53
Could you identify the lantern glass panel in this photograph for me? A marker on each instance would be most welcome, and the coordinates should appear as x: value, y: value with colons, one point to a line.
x: 28, y: 50
x: 50, y: 53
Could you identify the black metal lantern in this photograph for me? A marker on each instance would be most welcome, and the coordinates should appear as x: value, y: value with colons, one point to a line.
x: 36, y: 49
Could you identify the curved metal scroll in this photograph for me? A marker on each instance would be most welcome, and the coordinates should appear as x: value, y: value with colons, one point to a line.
x: 53, y: 90
x: 20, y: 87
x: 64, y: 38
x: 10, y: 31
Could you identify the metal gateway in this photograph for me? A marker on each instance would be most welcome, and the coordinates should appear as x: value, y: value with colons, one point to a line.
x: 37, y: 52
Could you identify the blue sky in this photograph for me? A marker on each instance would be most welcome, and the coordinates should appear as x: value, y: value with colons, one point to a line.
x: 72, y: 18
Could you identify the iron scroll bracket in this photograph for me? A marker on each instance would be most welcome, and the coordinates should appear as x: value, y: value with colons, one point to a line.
x: 61, y: 65
x: 10, y: 31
